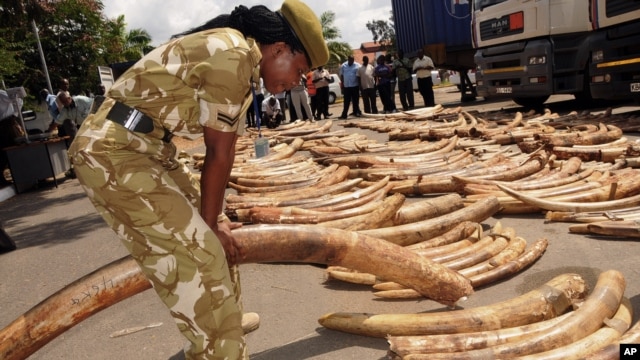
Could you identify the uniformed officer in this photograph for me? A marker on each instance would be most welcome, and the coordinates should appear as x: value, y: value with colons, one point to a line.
x: 197, y: 83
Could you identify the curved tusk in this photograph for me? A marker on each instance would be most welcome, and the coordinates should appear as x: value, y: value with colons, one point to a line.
x: 543, y: 303
x: 572, y: 206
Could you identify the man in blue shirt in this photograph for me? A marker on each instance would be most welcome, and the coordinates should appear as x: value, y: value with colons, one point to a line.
x: 52, y: 107
x: 351, y: 85
x: 74, y: 110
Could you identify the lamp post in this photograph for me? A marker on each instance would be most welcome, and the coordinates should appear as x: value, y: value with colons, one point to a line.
x: 42, y: 59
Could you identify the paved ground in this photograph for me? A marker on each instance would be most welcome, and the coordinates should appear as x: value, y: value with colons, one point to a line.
x: 60, y: 238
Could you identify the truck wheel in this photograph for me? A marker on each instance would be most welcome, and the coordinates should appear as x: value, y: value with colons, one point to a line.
x: 332, y: 98
x: 531, y: 102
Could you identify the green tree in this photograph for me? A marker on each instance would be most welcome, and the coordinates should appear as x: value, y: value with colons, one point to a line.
x: 16, y: 40
x: 338, y: 51
x: 75, y: 39
x: 383, y: 33
x: 137, y: 43
x: 121, y: 45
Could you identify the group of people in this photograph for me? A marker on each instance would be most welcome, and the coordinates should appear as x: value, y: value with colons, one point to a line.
x: 66, y: 113
x: 310, y: 96
x: 366, y: 80
x: 272, y: 108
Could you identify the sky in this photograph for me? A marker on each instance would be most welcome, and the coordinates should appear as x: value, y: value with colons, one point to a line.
x: 163, y: 18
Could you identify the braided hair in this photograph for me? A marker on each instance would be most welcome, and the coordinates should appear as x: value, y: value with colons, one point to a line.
x: 259, y: 23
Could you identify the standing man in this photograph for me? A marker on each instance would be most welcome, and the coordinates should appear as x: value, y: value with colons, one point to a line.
x: 322, y: 79
x: 388, y: 60
x: 259, y: 94
x: 311, y: 90
x: 366, y: 74
x: 351, y: 85
x: 402, y: 67
x: 422, y: 66
x: 300, y: 100
x: 383, y: 74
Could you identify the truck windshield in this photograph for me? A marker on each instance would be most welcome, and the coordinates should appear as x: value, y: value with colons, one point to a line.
x: 481, y: 4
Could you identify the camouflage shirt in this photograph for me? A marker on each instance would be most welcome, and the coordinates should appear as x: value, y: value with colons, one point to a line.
x: 202, y: 79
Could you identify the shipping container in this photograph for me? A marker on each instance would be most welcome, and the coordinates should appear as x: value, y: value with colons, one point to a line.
x: 441, y: 27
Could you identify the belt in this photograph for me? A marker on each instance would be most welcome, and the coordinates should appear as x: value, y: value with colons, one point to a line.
x: 131, y: 118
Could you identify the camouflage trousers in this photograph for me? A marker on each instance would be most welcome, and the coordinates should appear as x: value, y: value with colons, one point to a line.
x: 152, y: 203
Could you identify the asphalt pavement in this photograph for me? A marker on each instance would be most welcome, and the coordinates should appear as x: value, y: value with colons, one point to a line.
x: 60, y: 238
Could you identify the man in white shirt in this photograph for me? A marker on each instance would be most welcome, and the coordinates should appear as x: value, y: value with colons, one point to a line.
x: 366, y: 75
x: 271, y: 112
x: 321, y: 80
x: 422, y: 66
x: 282, y: 99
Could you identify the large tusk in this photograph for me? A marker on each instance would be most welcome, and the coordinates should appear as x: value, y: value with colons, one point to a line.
x: 426, y: 344
x: 66, y: 308
x: 610, y: 332
x: 491, y: 272
x: 412, y: 233
x: 410, y: 346
x: 612, y: 351
x: 372, y: 220
x: 573, y: 206
x: 543, y: 303
x: 356, y: 251
x: 602, y: 304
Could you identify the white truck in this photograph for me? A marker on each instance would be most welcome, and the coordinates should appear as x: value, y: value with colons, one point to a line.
x: 528, y: 50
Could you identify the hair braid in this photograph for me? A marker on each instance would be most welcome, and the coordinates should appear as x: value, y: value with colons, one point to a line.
x: 259, y: 23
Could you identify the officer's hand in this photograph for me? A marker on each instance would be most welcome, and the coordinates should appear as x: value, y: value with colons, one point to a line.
x: 232, y: 248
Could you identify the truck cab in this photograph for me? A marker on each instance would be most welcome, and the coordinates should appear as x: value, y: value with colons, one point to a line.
x: 529, y: 50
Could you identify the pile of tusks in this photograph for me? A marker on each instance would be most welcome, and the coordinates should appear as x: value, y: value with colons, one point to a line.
x: 558, y: 320
x: 483, y: 258
x: 345, y: 206
x: 263, y: 243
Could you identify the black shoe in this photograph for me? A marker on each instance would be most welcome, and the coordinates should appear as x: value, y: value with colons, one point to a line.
x: 342, y: 118
x: 359, y: 115
x: 328, y: 114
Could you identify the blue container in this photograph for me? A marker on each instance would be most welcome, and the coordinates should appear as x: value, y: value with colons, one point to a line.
x: 261, y: 147
x: 419, y: 23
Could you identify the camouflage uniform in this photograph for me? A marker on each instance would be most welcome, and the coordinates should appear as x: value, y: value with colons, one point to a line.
x: 151, y: 201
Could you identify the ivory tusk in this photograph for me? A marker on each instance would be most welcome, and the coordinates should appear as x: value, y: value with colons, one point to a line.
x: 543, y: 303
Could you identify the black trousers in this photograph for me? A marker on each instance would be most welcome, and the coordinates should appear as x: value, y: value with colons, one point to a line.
x: 369, y: 101
x: 405, y: 88
x: 351, y: 97
x: 322, y: 95
x: 425, y: 86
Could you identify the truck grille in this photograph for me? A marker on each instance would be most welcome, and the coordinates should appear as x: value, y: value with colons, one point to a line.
x: 503, y: 26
